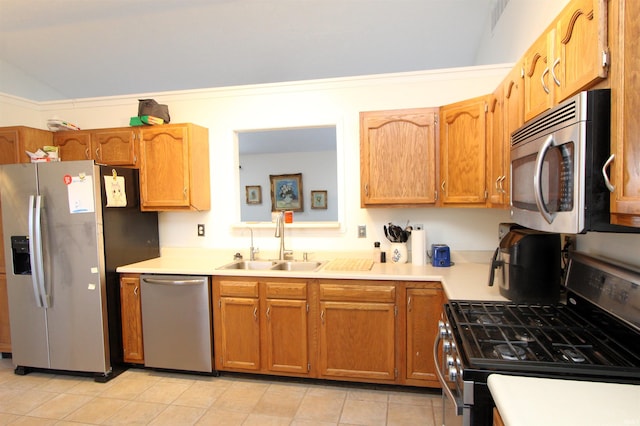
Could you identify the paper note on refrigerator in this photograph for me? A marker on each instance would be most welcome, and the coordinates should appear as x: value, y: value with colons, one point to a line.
x: 114, y: 188
x: 81, y: 191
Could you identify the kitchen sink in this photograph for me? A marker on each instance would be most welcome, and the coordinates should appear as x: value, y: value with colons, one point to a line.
x: 274, y: 265
x: 249, y: 264
x: 297, y: 265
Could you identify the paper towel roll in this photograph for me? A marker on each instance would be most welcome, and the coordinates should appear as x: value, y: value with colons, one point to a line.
x: 418, y: 246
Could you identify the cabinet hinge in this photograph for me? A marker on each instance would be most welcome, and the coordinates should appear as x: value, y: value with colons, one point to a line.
x: 395, y: 373
x: 395, y: 310
x: 486, y: 194
x: 486, y: 107
x: 219, y: 303
x: 308, y: 367
x: 436, y: 118
x: 307, y: 308
x: 436, y: 196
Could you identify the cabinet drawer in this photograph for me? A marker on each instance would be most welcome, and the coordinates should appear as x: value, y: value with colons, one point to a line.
x: 239, y: 288
x: 283, y: 290
x: 358, y: 293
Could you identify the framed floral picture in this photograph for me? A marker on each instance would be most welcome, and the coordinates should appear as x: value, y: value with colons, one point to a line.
x: 254, y: 194
x: 318, y: 199
x: 286, y: 192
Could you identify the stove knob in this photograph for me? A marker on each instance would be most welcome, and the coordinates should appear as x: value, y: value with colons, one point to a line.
x: 453, y: 373
x: 442, y: 329
x: 450, y: 361
x: 447, y: 346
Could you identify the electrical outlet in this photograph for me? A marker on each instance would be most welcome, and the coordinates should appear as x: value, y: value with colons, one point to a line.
x: 362, y: 231
x: 201, y: 230
x: 419, y: 226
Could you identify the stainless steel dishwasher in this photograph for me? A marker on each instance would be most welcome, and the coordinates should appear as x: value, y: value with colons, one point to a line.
x: 176, y: 322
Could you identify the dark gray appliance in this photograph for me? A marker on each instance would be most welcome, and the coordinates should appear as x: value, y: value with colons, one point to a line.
x: 63, y: 245
x: 595, y: 336
x: 177, y: 322
x: 526, y: 266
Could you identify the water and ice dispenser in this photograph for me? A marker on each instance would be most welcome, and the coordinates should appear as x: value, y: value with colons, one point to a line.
x: 20, y: 254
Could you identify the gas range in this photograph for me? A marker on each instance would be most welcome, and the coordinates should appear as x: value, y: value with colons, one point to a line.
x: 594, y: 336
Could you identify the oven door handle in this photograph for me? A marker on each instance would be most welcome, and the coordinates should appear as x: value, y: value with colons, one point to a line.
x: 441, y: 379
x: 537, y: 180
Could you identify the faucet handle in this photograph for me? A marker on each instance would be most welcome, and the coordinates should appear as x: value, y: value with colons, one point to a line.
x: 288, y: 255
x: 305, y: 256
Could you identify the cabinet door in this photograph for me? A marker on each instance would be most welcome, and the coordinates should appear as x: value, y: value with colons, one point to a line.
x: 115, y: 147
x: 164, y: 169
x: 625, y: 121
x: 537, y: 80
x: 9, y: 147
x: 496, y: 149
x: 131, y: 311
x: 73, y: 145
x: 580, y: 46
x: 239, y: 334
x: 5, y: 332
x: 424, y: 307
x: 463, y: 153
x: 357, y: 340
x: 285, y: 337
x: 397, y: 157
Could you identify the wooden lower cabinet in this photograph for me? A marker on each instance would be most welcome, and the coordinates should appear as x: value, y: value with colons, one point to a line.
x: 423, y: 310
x: 5, y: 332
x: 261, y: 325
x: 131, y: 312
x: 357, y: 331
x: 350, y: 330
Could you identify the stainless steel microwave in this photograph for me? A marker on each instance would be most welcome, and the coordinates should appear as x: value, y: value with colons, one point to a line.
x: 559, y: 164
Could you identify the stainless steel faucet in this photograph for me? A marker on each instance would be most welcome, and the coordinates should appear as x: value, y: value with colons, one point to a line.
x: 252, y: 250
x: 280, y: 234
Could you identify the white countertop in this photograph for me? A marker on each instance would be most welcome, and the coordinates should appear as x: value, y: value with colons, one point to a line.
x: 530, y: 401
x: 463, y: 281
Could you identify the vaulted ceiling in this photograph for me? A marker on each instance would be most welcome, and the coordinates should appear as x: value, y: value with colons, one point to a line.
x: 66, y: 49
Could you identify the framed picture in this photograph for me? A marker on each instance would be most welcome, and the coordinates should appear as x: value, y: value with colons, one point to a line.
x: 286, y: 192
x: 254, y: 194
x: 318, y: 199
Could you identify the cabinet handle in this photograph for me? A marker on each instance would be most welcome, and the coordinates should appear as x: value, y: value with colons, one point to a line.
x: 98, y: 154
x: 184, y: 193
x: 607, y: 182
x: 544, y: 85
x: 86, y: 154
x: 409, y: 303
x: 255, y: 314
x: 366, y: 189
x: 322, y: 317
x: 496, y: 185
x: 135, y: 291
x: 269, y: 312
x: 553, y: 73
x: 502, y: 179
x: 442, y: 186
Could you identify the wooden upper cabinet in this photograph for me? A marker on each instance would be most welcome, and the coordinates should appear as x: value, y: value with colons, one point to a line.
x: 73, y: 145
x: 397, y: 157
x: 497, y: 150
x: 625, y: 120
x: 114, y: 147
x: 174, y: 167
x: 569, y: 57
x: 15, y: 140
x: 463, y: 153
x: 581, y: 47
x: 537, y: 84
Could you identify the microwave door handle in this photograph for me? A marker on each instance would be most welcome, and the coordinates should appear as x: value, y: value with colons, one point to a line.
x: 537, y: 180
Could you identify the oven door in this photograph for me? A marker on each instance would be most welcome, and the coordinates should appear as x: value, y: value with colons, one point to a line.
x: 547, y: 185
x: 449, y: 374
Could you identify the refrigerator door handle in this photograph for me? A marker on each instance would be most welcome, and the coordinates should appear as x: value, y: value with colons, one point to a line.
x: 35, y: 251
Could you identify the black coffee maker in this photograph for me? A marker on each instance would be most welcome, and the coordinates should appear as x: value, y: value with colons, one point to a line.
x: 527, y: 267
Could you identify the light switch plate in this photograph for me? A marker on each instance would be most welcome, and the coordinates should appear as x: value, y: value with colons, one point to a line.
x: 362, y: 231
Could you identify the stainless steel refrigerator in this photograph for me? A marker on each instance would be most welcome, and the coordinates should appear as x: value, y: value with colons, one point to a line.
x: 67, y: 226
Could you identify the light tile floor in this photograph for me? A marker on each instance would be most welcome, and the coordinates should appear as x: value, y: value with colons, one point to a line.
x: 147, y: 397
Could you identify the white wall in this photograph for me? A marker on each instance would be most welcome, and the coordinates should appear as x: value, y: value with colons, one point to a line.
x: 520, y: 24
x: 336, y: 101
